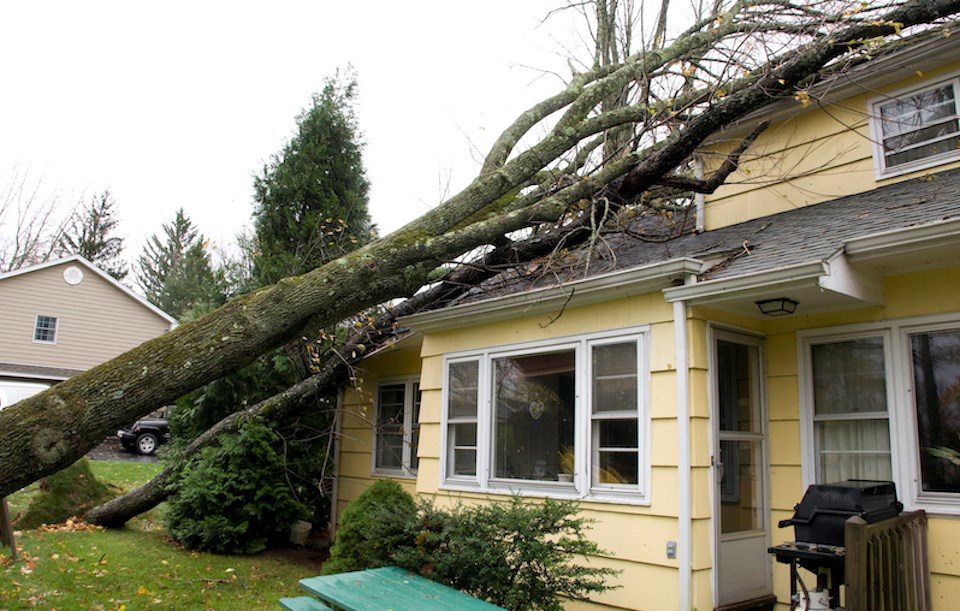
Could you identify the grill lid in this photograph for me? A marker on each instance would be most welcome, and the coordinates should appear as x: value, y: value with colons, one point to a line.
x: 820, y: 515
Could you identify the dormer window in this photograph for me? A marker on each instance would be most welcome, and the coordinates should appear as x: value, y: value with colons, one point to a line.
x: 916, y: 130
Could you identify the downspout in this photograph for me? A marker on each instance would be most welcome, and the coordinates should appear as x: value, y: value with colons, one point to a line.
x: 684, y: 517
x: 335, y: 485
x: 699, y: 198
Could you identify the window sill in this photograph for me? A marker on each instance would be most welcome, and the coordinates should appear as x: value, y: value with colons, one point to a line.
x: 565, y: 492
x: 919, y: 165
x: 394, y: 474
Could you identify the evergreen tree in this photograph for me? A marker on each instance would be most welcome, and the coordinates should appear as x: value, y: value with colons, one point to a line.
x: 311, y: 198
x: 175, y: 271
x: 88, y: 235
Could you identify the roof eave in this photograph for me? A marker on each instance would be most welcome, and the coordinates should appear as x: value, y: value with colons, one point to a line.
x: 613, y: 285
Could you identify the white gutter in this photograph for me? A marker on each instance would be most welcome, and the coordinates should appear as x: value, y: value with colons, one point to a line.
x: 604, y: 287
x: 738, y: 287
x: 684, y: 519
x: 903, y: 241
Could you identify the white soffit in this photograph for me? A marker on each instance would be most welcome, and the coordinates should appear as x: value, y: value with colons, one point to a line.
x: 606, y: 287
x: 817, y: 285
x: 902, y: 250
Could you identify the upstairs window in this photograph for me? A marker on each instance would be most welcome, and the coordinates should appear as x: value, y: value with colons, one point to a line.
x: 45, y: 329
x: 916, y: 130
x: 398, y: 428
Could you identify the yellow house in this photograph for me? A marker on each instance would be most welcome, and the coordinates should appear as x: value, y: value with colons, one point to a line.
x: 802, y: 328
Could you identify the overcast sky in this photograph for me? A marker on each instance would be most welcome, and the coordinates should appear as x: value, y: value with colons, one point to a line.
x: 179, y: 103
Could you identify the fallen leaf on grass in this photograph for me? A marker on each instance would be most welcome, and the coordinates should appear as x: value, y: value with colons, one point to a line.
x: 73, y: 524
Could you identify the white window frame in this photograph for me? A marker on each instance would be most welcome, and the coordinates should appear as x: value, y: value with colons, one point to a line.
x: 876, y: 130
x: 411, y: 388
x: 36, y: 328
x: 904, y: 438
x: 808, y: 409
x: 583, y: 486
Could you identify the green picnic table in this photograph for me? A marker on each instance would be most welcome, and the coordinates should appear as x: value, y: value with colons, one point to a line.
x: 383, y: 589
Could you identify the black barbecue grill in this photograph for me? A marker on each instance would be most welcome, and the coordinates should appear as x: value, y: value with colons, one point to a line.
x: 818, y: 523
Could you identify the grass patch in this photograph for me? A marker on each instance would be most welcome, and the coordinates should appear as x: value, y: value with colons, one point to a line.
x: 137, y: 567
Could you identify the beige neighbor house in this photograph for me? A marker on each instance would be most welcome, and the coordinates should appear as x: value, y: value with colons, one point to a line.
x: 63, y: 317
x: 694, y: 421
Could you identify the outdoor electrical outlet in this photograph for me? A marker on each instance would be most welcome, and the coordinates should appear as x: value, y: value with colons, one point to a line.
x: 671, y: 550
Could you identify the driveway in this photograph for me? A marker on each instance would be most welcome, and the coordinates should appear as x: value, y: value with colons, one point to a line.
x: 111, y: 449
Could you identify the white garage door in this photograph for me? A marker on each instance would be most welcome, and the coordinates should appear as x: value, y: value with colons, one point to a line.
x: 11, y: 392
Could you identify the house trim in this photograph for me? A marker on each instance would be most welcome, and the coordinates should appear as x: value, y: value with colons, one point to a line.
x: 748, y: 286
x: 904, y: 242
x: 606, y: 287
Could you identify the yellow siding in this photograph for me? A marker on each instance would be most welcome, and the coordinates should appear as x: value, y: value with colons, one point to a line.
x: 821, y: 154
x: 635, y: 537
x: 355, y: 466
x: 939, y: 290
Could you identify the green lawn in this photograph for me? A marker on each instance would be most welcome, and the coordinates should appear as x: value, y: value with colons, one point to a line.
x: 137, y: 567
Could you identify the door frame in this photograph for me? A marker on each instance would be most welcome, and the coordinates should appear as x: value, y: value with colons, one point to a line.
x: 715, y: 334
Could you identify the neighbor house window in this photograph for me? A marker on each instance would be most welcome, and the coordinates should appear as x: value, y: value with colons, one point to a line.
x: 45, y: 329
x: 397, y: 431
x: 566, y: 417
x: 883, y: 403
x: 916, y: 130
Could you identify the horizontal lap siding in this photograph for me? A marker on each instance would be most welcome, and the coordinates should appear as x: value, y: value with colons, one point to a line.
x: 814, y: 157
x: 96, y: 321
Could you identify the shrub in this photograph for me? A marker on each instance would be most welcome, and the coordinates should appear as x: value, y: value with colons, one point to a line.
x: 235, y: 498
x: 516, y: 555
x: 66, y: 493
x: 373, y: 529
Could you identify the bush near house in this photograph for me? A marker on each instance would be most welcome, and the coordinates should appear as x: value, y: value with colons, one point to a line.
x: 235, y: 499
x: 516, y: 555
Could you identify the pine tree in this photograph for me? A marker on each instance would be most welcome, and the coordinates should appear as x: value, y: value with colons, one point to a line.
x: 88, y: 235
x: 311, y: 198
x: 175, y: 271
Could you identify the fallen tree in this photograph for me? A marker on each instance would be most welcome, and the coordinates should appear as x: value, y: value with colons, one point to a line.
x: 516, y: 190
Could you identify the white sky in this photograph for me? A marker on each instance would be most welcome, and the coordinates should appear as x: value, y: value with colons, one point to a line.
x: 179, y: 103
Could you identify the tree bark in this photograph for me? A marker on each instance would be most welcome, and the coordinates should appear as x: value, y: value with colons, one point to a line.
x: 49, y: 431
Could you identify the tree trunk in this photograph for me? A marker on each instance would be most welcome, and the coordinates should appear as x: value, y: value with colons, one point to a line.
x: 51, y: 430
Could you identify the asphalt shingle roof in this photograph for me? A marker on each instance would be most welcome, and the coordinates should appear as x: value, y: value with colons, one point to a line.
x: 807, y: 234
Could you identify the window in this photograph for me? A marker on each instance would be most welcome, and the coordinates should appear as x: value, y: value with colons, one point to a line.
x: 882, y: 401
x: 935, y: 359
x: 916, y: 130
x: 852, y: 431
x: 565, y: 417
x: 397, y: 432
x: 45, y: 329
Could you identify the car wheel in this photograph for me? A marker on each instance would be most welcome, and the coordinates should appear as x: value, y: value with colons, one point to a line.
x: 147, y: 443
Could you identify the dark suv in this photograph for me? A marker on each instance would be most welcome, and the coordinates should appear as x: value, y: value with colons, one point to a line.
x: 145, y: 436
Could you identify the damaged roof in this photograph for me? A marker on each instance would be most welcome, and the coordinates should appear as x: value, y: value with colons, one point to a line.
x: 813, y: 233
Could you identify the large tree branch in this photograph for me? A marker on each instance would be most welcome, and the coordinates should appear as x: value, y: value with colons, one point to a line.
x: 47, y: 432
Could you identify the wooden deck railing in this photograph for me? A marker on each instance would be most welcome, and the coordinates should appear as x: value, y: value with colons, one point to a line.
x: 886, y: 564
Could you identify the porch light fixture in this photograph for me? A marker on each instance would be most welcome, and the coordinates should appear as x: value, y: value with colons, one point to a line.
x: 781, y: 306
